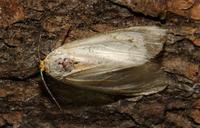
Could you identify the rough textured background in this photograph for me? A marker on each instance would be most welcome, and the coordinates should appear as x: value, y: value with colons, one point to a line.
x: 27, y: 24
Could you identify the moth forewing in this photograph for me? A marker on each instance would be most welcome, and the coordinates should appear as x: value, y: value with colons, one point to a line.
x: 116, y: 62
x: 140, y: 80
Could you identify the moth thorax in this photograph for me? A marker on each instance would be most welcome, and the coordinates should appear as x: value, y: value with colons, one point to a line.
x: 65, y: 64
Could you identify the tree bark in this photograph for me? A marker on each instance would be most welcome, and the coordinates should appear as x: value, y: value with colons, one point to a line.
x: 30, y: 29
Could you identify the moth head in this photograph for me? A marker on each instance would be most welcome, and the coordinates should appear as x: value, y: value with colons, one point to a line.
x: 41, y: 65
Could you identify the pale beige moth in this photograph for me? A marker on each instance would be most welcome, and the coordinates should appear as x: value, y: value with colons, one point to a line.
x: 115, y: 64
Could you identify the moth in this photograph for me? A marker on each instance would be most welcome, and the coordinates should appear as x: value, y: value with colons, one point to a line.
x: 108, y: 66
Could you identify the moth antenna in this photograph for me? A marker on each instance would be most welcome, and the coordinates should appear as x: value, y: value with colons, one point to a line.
x: 41, y: 66
x: 49, y: 91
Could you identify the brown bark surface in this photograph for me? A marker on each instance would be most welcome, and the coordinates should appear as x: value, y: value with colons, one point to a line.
x: 29, y: 26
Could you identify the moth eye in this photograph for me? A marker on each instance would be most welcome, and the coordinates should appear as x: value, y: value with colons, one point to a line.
x: 65, y: 64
